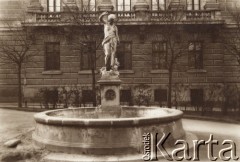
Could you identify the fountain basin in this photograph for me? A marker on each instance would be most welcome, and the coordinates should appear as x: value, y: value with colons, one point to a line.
x: 89, y: 131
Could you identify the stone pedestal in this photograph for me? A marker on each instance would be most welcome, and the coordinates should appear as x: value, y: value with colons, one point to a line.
x: 110, y: 90
x: 141, y: 5
x: 105, y: 5
x: 141, y: 8
x: 110, y: 94
x: 212, y: 5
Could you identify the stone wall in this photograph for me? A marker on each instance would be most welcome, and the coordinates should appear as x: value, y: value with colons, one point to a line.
x: 219, y: 66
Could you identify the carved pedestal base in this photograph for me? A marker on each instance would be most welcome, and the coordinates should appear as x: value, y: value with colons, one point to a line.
x: 110, y: 90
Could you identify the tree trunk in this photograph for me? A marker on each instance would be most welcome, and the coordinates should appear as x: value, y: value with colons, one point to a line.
x: 93, y: 79
x: 94, y: 87
x: 19, y: 86
x: 169, y: 98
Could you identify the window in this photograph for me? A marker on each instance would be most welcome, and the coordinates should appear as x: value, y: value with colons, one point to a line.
x: 52, y: 57
x: 195, y: 60
x: 196, y: 97
x: 87, y: 96
x: 90, y: 5
x: 53, y: 5
x: 194, y: 5
x: 158, y: 4
x: 160, y: 95
x: 159, y: 55
x: 124, y: 55
x: 126, y: 96
x: 87, y: 51
x: 124, y: 5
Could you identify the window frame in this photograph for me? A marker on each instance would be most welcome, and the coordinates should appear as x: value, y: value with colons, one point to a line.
x: 160, y: 52
x: 192, y: 5
x: 46, y: 66
x: 82, y: 53
x: 87, y: 8
x: 54, y: 6
x: 198, y: 101
x: 126, y: 54
x: 123, y: 6
x: 123, y: 93
x: 87, y: 96
x: 158, y: 5
x: 95, y: 6
x: 194, y: 54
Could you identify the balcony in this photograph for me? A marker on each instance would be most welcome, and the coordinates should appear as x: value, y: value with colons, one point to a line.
x: 125, y: 17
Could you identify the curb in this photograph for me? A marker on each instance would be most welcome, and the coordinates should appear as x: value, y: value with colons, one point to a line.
x: 25, y: 109
x: 195, y: 117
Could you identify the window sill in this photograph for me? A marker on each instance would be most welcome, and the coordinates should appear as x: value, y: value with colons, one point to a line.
x: 159, y: 71
x: 52, y: 72
x: 126, y: 71
x: 84, y: 72
x: 197, y: 71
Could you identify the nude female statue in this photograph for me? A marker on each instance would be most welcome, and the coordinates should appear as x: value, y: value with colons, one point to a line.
x: 110, y: 40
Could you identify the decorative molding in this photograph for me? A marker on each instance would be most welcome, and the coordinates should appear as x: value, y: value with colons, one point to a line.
x: 86, y: 72
x: 34, y: 6
x: 52, y: 72
x: 105, y: 5
x: 126, y: 72
x: 160, y: 71
x: 141, y: 5
x: 197, y: 71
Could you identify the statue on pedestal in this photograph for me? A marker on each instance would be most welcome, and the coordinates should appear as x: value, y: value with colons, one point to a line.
x: 110, y: 41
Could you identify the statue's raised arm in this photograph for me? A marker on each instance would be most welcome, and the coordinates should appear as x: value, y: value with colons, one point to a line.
x: 102, y: 18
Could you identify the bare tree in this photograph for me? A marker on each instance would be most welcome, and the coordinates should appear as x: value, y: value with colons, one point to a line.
x: 82, y: 19
x: 231, y: 40
x: 14, y: 50
x: 170, y: 33
x: 177, y: 36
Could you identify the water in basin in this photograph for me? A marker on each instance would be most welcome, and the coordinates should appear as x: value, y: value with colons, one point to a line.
x: 124, y: 112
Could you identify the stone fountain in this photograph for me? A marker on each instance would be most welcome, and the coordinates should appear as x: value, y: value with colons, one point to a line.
x: 109, y: 132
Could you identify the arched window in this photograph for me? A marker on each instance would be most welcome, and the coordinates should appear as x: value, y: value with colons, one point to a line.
x: 53, y: 5
x: 124, y: 5
x: 158, y: 4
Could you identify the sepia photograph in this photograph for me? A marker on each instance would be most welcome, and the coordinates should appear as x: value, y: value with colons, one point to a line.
x: 119, y: 80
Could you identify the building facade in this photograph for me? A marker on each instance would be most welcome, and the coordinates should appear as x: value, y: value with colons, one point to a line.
x: 144, y: 52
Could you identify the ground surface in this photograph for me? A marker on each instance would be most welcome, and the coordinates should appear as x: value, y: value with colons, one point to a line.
x: 18, y: 124
x: 21, y: 124
x: 14, y: 123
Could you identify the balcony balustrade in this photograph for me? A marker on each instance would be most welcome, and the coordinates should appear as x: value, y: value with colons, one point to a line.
x: 127, y: 17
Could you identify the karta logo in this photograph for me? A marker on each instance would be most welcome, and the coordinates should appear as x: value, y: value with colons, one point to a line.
x: 151, y: 148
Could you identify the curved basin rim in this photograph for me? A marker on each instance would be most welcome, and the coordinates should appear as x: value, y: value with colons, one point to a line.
x: 46, y: 119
